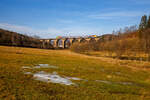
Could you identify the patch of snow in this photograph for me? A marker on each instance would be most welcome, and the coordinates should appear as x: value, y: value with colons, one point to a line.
x: 73, y: 78
x: 26, y: 67
x: 27, y: 73
x: 54, y: 78
x: 45, y: 66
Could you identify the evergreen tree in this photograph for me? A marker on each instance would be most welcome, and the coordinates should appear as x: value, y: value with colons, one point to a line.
x: 148, y: 23
x: 142, y: 26
x: 143, y: 23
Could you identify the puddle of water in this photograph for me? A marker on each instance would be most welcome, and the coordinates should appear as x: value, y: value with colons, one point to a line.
x: 54, y: 78
x: 45, y: 66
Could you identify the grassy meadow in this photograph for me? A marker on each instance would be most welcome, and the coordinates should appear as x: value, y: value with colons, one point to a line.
x: 103, y: 78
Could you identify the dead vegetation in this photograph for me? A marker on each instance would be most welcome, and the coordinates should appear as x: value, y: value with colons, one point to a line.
x: 130, y: 43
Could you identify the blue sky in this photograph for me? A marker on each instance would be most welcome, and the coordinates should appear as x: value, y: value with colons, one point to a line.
x: 51, y: 18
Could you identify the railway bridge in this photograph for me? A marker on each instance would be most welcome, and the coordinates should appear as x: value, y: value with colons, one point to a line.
x: 67, y: 42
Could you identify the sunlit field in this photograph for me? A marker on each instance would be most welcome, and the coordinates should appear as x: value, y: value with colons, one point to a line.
x: 70, y: 76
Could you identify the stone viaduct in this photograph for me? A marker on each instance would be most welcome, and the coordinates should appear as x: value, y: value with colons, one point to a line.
x: 67, y: 42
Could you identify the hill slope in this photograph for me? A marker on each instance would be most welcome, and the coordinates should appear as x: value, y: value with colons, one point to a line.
x: 15, y: 39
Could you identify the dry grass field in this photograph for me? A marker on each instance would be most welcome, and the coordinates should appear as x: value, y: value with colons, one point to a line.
x: 38, y: 74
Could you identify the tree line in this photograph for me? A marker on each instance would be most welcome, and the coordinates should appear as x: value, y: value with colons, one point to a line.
x: 131, y: 41
x: 9, y: 38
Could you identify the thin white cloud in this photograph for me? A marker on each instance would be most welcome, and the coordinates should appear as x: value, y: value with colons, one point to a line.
x: 26, y: 30
x: 112, y: 15
x: 16, y: 28
x: 51, y: 32
x: 71, y: 31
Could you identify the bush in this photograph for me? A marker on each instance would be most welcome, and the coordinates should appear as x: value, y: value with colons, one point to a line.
x: 80, y: 47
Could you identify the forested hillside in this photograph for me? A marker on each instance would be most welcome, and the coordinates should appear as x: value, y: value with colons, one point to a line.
x: 9, y: 38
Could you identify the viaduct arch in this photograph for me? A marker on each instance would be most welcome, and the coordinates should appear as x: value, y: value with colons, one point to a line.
x: 65, y: 42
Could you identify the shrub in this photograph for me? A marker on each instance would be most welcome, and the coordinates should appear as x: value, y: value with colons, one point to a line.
x: 80, y: 47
